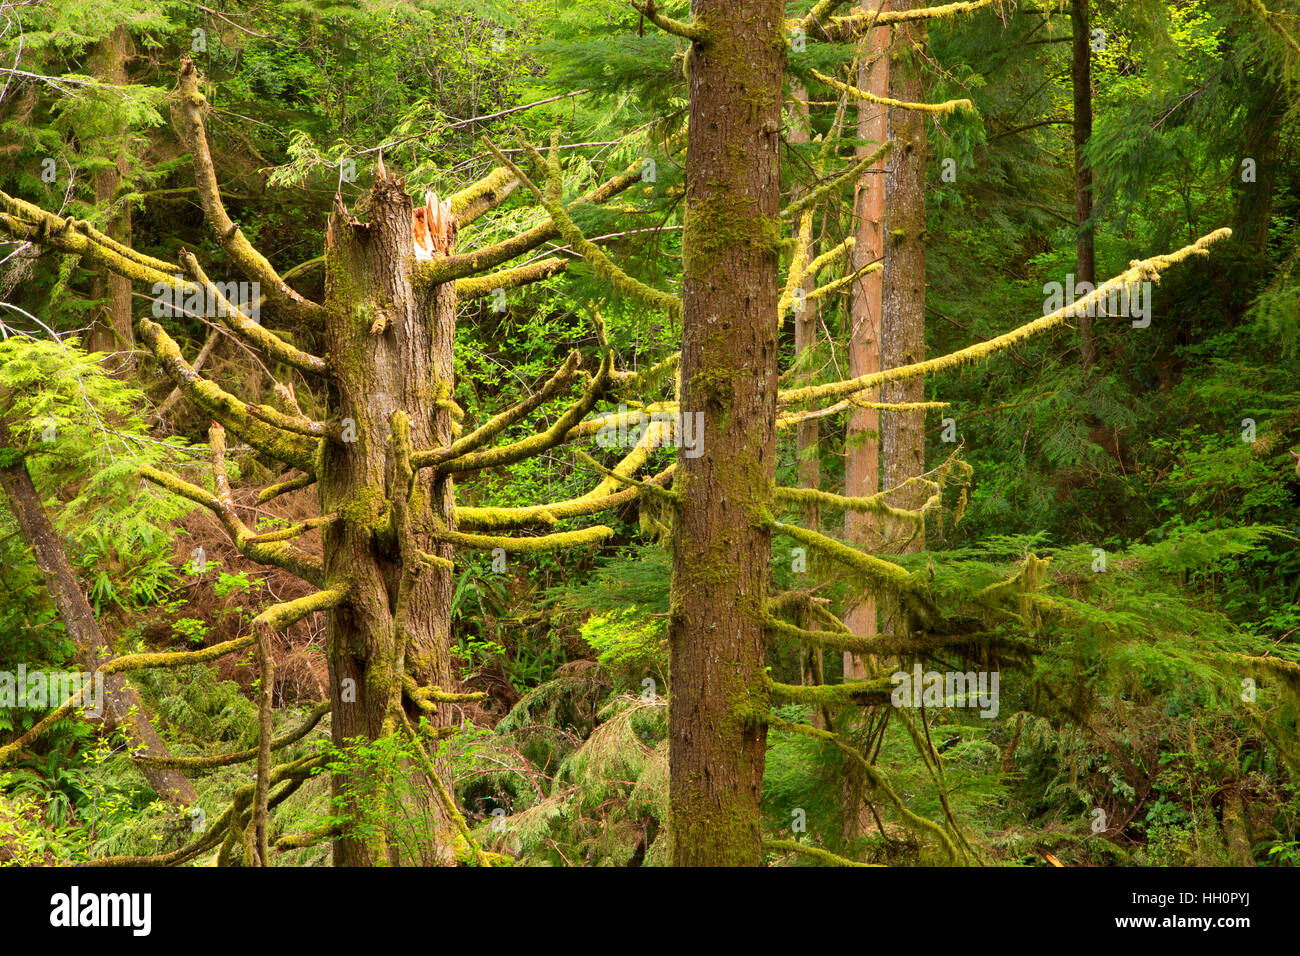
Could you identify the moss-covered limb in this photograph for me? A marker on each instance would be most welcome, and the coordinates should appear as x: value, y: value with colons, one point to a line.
x: 637, y: 383
x: 448, y: 268
x: 160, y: 411
x: 947, y: 106
x: 293, y: 531
x: 225, y: 760
x: 879, y: 784
x: 495, y: 425
x: 830, y: 255
x: 798, y: 262
x: 787, y: 602
x: 859, y: 692
x: 817, y: 16
x: 1272, y: 21
x: 436, y: 695
x: 870, y: 18
x: 271, y: 492
x: 281, y: 554
x: 792, y: 419
x: 116, y: 666
x: 251, y: 332
x: 503, y: 519
x: 875, y: 504
x: 541, y: 441
x: 546, y: 542
x: 825, y: 857
x: 150, y: 659
x: 280, y: 616
x: 646, y: 487
x: 1288, y: 672
x: 619, y: 476
x: 1028, y: 577
x: 883, y: 576
x: 842, y: 282
x: 307, y: 838
x: 47, y: 229
x: 814, y: 197
x: 479, y: 286
x: 835, y: 640
x: 36, y: 731
x: 28, y: 211
x: 650, y: 414
x: 482, y: 196
x: 188, y: 110
x: 600, y: 263
x: 292, y: 423
x: 799, y: 270
x: 687, y: 31
x: 1138, y: 271
x: 221, y: 405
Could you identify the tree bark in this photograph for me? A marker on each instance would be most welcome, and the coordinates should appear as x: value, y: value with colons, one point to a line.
x: 122, y: 705
x: 1081, y: 79
x: 721, y: 538
x: 862, y: 437
x: 862, y: 440
x: 391, y: 349
x: 903, y: 321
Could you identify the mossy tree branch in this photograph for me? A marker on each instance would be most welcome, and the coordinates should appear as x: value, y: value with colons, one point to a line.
x: 1138, y: 271
x: 188, y: 110
x: 226, y: 408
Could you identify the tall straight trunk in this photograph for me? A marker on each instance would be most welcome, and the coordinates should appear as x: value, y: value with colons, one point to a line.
x: 122, y: 705
x: 112, y: 330
x: 721, y: 538
x: 862, y: 439
x: 391, y: 347
x: 862, y: 436
x: 903, y: 322
x: 1085, y: 268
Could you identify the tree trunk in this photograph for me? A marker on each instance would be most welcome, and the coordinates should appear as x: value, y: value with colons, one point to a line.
x: 112, y: 331
x: 721, y: 540
x: 1081, y: 78
x: 903, y: 321
x: 391, y: 348
x: 862, y: 437
x: 862, y: 440
x: 122, y: 705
